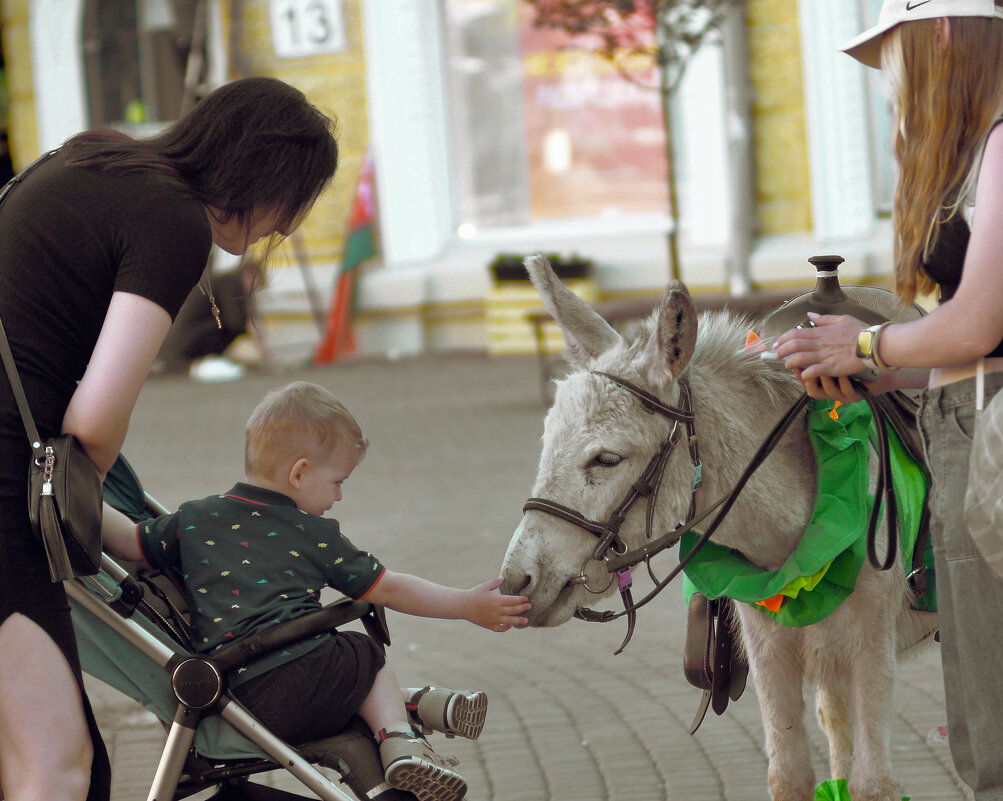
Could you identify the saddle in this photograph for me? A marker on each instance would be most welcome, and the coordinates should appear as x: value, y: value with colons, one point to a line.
x: 712, y: 660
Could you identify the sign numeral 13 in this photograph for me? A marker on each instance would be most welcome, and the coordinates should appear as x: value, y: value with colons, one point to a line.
x: 307, y: 27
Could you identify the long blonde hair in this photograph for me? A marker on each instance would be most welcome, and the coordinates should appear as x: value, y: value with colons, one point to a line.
x: 945, y: 101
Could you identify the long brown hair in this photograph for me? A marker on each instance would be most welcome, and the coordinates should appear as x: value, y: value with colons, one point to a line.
x: 945, y: 101
x: 253, y: 143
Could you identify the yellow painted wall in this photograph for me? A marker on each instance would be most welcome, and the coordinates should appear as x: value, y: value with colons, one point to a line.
x: 22, y: 130
x: 336, y: 84
x: 780, y: 136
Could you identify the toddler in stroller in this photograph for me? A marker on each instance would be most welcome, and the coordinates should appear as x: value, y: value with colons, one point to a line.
x: 258, y: 555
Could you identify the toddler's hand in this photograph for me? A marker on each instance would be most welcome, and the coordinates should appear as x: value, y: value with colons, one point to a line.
x: 494, y: 611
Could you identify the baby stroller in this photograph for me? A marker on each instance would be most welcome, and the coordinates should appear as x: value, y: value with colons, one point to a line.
x: 133, y: 633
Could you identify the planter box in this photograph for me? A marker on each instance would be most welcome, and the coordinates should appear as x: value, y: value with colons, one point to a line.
x: 507, y: 267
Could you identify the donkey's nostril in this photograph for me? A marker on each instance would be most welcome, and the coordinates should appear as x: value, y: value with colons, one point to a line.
x: 511, y: 586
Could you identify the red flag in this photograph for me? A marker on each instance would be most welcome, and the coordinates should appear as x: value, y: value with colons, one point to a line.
x: 360, y: 245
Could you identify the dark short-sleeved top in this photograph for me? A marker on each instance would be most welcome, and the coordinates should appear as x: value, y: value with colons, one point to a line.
x: 251, y: 559
x: 946, y: 262
x: 69, y: 238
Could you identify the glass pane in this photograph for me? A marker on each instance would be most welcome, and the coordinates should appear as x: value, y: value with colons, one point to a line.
x: 595, y: 139
x: 112, y: 62
x: 135, y: 56
x: 543, y: 130
x: 485, y: 96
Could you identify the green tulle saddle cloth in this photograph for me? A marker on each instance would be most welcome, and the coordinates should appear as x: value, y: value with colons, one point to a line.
x: 822, y: 571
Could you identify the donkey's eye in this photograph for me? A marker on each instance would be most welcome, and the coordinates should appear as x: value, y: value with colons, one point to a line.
x: 607, y: 459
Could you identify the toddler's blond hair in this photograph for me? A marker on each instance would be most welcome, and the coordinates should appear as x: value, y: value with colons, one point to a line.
x: 299, y: 420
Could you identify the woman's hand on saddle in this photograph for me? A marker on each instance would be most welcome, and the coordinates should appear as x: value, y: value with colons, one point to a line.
x: 827, y: 348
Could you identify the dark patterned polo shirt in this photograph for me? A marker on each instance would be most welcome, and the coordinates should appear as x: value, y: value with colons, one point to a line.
x: 251, y: 559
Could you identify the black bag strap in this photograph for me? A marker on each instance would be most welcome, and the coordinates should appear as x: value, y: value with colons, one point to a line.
x: 5, y: 351
x: 22, y: 401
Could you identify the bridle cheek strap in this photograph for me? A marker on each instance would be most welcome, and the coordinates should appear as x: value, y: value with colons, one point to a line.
x: 608, y: 533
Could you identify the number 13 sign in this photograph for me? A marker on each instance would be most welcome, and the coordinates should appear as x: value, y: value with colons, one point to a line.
x: 307, y: 27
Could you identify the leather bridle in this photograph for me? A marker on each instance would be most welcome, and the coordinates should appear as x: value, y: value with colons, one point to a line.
x: 611, y: 551
x: 647, y: 486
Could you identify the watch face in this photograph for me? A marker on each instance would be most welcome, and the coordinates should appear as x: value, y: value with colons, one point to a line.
x: 865, y: 343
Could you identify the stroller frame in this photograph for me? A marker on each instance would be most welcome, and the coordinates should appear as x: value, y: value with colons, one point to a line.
x: 199, y: 685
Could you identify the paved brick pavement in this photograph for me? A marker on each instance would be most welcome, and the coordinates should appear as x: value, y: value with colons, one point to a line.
x: 455, y: 442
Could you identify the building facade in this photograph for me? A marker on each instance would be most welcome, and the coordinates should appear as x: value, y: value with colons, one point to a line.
x: 489, y: 136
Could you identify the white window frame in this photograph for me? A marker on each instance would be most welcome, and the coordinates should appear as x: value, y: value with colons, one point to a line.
x: 839, y: 123
x: 404, y: 73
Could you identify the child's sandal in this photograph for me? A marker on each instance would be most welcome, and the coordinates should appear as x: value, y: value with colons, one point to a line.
x: 410, y: 764
x: 454, y: 713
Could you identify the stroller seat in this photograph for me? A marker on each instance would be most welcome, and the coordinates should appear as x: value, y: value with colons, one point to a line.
x: 133, y: 633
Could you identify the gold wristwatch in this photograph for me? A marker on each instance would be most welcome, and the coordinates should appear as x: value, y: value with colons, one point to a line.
x: 867, y: 341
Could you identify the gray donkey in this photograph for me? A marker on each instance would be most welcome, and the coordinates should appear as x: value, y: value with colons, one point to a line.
x: 598, y: 439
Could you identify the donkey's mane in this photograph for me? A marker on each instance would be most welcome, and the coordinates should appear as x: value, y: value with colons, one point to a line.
x: 720, y: 349
x: 720, y: 345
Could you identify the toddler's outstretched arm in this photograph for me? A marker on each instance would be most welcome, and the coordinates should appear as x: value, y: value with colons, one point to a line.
x: 480, y: 605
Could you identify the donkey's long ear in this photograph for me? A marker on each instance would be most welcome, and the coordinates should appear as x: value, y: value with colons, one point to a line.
x: 673, y: 337
x: 587, y: 334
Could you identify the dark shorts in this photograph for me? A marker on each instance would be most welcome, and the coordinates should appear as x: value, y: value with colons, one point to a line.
x: 316, y: 695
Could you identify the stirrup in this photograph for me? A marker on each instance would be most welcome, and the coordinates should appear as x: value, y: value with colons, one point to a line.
x: 410, y: 764
x: 455, y: 713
